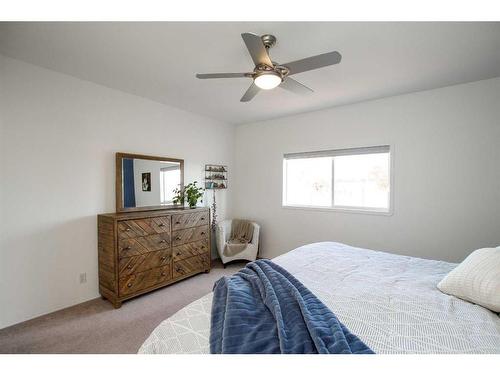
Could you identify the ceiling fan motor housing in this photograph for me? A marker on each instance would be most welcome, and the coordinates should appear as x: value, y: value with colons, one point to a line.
x: 278, y: 69
x: 268, y: 40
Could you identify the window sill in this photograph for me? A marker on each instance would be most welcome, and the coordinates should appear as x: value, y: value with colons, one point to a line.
x: 341, y: 209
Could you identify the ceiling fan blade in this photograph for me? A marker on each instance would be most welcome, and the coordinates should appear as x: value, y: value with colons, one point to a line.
x: 313, y: 62
x: 250, y: 93
x: 256, y: 48
x: 223, y: 75
x: 296, y: 87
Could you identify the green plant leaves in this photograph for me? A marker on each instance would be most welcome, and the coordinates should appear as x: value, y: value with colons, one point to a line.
x: 190, y: 193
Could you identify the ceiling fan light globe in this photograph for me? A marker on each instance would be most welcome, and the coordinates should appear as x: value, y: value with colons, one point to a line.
x: 268, y: 80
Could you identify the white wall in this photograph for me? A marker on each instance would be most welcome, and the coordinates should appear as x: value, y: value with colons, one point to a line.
x: 59, y: 136
x: 153, y: 197
x: 446, y: 145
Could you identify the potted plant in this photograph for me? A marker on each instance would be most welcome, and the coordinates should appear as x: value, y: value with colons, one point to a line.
x: 190, y: 193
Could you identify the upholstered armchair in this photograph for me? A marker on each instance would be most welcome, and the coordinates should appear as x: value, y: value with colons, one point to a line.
x: 222, y: 235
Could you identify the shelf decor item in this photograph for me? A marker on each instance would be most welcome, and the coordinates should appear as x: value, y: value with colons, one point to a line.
x: 190, y: 193
x: 215, y: 176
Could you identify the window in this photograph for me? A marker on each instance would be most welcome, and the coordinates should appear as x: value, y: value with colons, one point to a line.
x: 169, y: 180
x: 350, y: 179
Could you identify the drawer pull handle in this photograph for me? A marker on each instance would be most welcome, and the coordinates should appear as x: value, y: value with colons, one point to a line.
x: 129, y: 285
x: 202, y: 233
x: 202, y: 246
x: 163, y: 241
x: 129, y: 266
x: 163, y: 273
x: 202, y: 218
x: 161, y: 225
x: 177, y: 222
x: 127, y: 229
x: 178, y: 254
x: 126, y: 248
x: 163, y: 258
x: 177, y: 238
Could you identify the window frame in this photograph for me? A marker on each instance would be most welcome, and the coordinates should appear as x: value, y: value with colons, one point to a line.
x: 336, y: 152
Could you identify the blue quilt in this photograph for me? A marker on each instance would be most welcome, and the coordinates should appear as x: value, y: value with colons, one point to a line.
x: 264, y: 309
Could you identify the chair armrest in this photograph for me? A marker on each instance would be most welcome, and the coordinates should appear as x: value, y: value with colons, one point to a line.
x: 222, y: 234
x: 256, y: 232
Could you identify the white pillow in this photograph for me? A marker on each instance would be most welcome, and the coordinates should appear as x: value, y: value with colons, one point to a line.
x: 476, y: 279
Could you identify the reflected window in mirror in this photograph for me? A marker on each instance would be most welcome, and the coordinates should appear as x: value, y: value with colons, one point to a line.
x: 170, y: 178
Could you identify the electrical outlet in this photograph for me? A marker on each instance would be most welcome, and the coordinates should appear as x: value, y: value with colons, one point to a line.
x: 83, y: 278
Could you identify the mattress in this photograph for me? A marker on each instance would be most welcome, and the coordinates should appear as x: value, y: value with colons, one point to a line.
x: 390, y: 301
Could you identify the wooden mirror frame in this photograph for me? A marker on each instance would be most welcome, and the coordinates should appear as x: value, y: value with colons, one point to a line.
x: 119, y: 180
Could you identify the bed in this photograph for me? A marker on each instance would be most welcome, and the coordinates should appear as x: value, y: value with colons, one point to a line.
x: 389, y: 301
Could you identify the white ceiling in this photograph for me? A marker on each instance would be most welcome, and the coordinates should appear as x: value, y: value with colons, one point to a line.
x: 159, y: 60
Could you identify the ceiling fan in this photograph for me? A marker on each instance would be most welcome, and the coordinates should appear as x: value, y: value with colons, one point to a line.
x: 268, y: 74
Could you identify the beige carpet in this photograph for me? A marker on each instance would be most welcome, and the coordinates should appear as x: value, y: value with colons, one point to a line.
x: 96, y: 327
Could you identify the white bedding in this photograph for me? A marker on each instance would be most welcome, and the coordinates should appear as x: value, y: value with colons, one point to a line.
x: 390, y: 301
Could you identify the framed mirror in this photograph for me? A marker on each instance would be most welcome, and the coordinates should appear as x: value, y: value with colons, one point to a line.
x: 146, y: 182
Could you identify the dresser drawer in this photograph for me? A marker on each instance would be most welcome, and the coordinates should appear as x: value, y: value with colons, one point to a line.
x: 194, y: 219
x: 141, y: 245
x: 143, y: 227
x: 140, y: 263
x: 191, y: 265
x: 183, y: 236
x: 190, y: 249
x: 142, y: 280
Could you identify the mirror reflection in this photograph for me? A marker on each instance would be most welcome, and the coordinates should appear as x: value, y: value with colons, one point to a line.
x: 149, y: 182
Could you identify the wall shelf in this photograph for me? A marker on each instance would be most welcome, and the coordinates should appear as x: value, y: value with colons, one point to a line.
x: 215, y: 176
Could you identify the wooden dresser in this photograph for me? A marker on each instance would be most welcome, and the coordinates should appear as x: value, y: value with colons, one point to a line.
x: 143, y: 251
